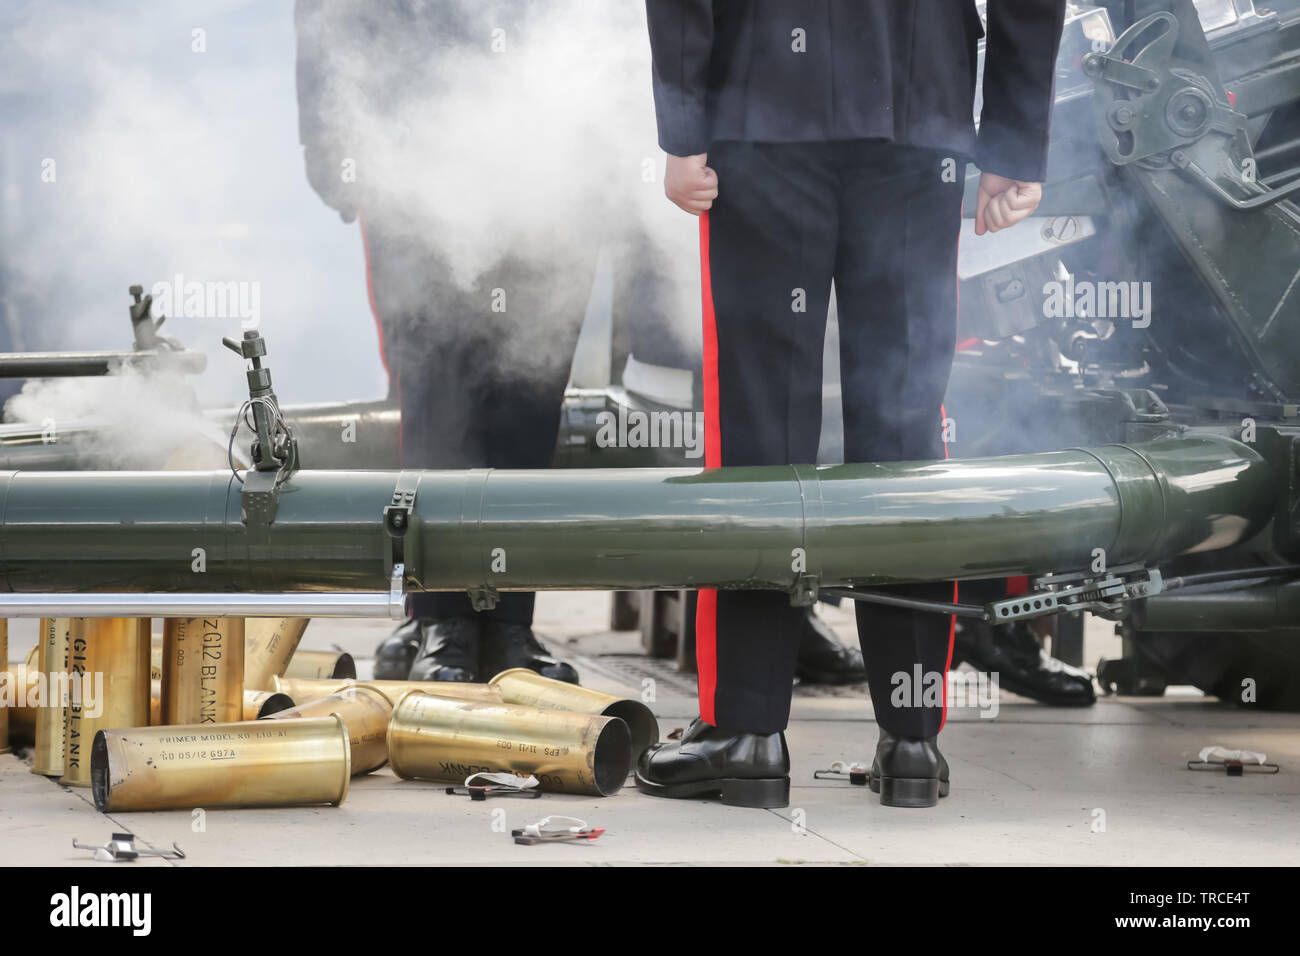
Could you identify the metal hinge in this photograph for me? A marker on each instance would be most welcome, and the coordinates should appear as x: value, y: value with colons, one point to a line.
x: 1108, y: 594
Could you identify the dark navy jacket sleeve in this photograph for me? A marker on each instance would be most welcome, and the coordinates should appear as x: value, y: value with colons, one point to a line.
x: 1019, y: 83
x: 681, y: 44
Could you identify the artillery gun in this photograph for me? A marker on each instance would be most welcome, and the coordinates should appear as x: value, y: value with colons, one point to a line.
x: 1175, y: 509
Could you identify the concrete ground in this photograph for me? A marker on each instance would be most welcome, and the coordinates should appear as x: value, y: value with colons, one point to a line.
x: 1036, y: 785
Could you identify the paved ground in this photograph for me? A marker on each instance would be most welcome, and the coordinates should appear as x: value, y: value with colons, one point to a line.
x: 1107, y: 785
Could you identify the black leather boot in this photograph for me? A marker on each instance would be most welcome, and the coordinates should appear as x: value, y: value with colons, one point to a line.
x: 745, y: 770
x: 908, y: 771
x: 449, y: 650
x: 396, y: 653
x: 1012, y: 652
x: 507, y: 645
x: 823, y: 658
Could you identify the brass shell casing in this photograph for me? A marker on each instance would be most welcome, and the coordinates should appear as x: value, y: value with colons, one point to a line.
x: 520, y: 685
x: 246, y: 764
x: 264, y: 703
x: 22, y: 716
x: 51, y: 716
x: 117, y: 648
x: 437, y: 738
x: 257, y: 704
x: 10, y: 692
x: 202, y: 670
x: 269, y: 643
x: 303, y: 689
x: 321, y: 665
x: 365, y: 711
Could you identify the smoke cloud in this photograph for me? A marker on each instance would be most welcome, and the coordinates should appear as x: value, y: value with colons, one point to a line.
x: 142, y: 142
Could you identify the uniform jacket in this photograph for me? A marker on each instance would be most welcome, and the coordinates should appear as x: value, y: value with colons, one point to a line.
x: 816, y: 70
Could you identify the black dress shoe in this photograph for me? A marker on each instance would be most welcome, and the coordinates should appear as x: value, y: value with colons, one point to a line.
x: 396, y: 653
x: 908, y: 771
x: 1012, y: 652
x: 449, y: 650
x: 824, y: 658
x: 745, y: 770
x: 507, y: 645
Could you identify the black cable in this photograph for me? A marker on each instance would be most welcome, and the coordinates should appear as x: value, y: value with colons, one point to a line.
x: 1236, y: 574
x: 911, y: 604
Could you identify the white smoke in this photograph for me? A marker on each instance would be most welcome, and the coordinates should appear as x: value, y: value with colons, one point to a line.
x: 173, y: 132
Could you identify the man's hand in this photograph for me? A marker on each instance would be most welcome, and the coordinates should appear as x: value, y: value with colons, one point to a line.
x: 1004, y: 202
x: 690, y: 183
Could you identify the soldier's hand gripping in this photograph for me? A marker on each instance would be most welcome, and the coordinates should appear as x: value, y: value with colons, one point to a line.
x: 690, y: 183
x: 1004, y: 202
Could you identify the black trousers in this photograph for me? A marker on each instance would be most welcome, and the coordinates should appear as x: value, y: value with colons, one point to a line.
x: 479, y: 367
x: 880, y: 224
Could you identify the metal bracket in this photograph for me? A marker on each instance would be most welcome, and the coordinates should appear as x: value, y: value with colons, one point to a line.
x: 1147, y: 106
x: 804, y: 592
x: 1108, y: 594
x: 260, y: 499
x: 397, y: 592
x: 397, y: 517
x: 483, y: 598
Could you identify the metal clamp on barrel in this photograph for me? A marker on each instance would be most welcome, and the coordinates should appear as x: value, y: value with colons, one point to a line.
x: 397, y: 519
x: 804, y: 592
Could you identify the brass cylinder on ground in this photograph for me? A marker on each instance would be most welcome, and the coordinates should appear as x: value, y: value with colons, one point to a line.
x: 437, y: 738
x: 321, y: 665
x: 202, y: 670
x: 520, y: 685
x: 108, y: 664
x: 23, y: 693
x: 258, y: 763
x: 10, y: 693
x: 52, y: 715
x: 269, y: 643
x: 365, y: 711
x: 264, y: 703
x: 257, y: 703
x: 303, y: 689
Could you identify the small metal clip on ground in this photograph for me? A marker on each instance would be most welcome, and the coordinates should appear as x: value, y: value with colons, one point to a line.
x: 855, y: 773
x: 1234, y: 763
x: 122, y: 849
x: 497, y: 785
x: 556, y: 829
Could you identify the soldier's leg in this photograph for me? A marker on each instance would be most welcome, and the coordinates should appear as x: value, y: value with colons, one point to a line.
x: 539, y: 302
x: 767, y: 251
x: 771, y: 236
x: 896, y: 291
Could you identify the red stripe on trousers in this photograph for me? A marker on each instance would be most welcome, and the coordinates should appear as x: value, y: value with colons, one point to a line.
x: 943, y: 421
x: 370, y: 293
x: 706, y: 610
x: 952, y: 619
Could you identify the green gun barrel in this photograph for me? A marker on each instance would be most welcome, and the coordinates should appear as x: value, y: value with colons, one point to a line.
x: 779, y: 528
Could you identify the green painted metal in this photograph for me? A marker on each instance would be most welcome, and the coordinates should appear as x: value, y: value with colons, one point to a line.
x: 1262, y: 608
x: 784, y: 527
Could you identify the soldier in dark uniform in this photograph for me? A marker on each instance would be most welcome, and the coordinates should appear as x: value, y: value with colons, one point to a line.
x: 478, y: 360
x: 824, y: 143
